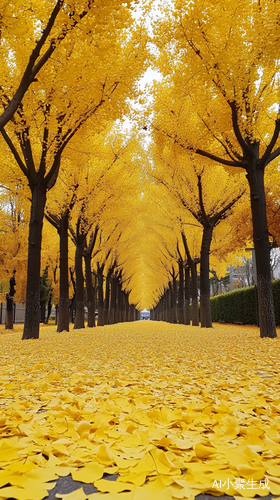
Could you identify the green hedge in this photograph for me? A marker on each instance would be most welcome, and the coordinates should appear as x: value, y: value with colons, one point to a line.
x: 239, y: 306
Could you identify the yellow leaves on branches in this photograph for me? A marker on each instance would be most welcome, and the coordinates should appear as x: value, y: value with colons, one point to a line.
x: 174, y: 410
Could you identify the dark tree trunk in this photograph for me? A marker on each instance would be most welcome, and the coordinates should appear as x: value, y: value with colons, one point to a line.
x: 100, y: 278
x: 195, y: 317
x: 121, y: 310
x: 181, y: 293
x: 174, y: 300
x: 128, y: 312
x: 49, y: 309
x: 42, y: 312
x: 166, y: 304
x: 32, y: 307
x: 192, y: 264
x: 169, y: 302
x: 159, y: 306
x: 112, y: 311
x: 255, y: 177
x: 120, y: 303
x: 90, y: 291
x: 205, y: 307
x: 9, y: 323
x: 126, y: 306
x: 163, y: 308
x: 108, y: 289
x: 107, y: 300
x: 73, y: 299
x: 131, y: 312
x: 63, y: 307
x: 79, y: 317
x: 187, y: 318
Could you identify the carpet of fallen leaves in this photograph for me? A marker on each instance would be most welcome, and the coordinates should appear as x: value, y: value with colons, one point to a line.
x: 172, y: 409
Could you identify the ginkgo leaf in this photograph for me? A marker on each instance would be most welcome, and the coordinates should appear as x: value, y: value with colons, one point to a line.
x: 78, y: 494
x: 88, y: 474
x: 7, y: 453
x: 23, y: 493
x: 112, y: 496
x: 106, y: 486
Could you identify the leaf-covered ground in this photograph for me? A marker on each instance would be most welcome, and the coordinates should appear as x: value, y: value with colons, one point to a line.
x: 174, y: 410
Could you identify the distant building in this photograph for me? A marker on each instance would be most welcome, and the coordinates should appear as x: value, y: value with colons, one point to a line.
x: 145, y: 314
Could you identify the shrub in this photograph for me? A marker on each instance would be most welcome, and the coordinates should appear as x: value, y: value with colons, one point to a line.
x: 240, y: 306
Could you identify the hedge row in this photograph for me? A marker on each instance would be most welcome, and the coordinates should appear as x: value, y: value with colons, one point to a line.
x: 240, y: 306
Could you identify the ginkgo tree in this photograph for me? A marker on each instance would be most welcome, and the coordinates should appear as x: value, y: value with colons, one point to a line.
x: 91, y: 77
x: 220, y: 97
x: 208, y: 196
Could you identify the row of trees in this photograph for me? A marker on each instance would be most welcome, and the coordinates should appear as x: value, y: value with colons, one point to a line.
x: 185, y: 199
x: 218, y: 103
x: 68, y: 65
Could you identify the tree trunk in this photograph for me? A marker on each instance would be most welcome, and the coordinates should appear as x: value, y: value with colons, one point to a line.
x: 90, y: 291
x: 205, y: 307
x: 112, y: 311
x: 255, y: 177
x: 42, y: 312
x: 63, y: 306
x: 187, y: 319
x: 9, y: 323
x: 49, y: 310
x: 126, y: 307
x: 119, y: 303
x: 165, y: 305
x: 181, y: 294
x: 195, y: 317
x: 79, y: 317
x: 32, y: 307
x: 100, y: 278
x: 131, y: 312
x: 107, y: 300
x: 169, y: 303
x: 174, y: 293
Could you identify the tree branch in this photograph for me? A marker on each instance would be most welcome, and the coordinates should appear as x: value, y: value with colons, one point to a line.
x: 273, y: 155
x: 31, y: 70
x: 220, y: 215
x: 15, y: 153
x: 201, y: 152
x: 234, y: 114
x: 42, y: 167
x: 66, y: 138
x: 272, y: 143
x: 201, y: 204
x: 53, y: 220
